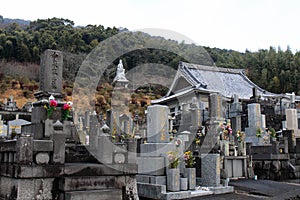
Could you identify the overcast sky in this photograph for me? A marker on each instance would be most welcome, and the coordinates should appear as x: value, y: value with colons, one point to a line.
x: 229, y: 24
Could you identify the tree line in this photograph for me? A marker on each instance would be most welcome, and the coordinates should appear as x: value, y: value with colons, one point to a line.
x: 273, y: 69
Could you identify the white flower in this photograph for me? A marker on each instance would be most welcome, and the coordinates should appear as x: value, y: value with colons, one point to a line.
x: 70, y: 103
x: 51, y: 97
x: 178, y: 142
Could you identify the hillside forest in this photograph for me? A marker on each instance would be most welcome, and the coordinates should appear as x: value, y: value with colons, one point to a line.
x: 275, y: 69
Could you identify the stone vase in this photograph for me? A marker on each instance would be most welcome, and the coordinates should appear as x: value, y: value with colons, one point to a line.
x: 173, y: 179
x: 183, y: 184
x: 190, y: 174
x: 48, y: 128
x: 241, y: 148
x: 225, y: 147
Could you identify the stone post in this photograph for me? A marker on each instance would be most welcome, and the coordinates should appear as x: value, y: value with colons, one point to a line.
x: 94, y: 126
x: 24, y: 150
x: 58, y: 138
x: 291, y: 140
x: 132, y: 150
x: 275, y: 147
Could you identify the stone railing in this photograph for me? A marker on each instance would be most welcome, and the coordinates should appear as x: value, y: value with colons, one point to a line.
x: 25, y: 150
x: 8, y: 151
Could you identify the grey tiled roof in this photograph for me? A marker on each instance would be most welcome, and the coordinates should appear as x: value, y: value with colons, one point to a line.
x: 211, y: 79
x: 223, y: 80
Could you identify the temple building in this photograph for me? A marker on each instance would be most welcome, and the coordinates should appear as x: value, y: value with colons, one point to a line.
x: 194, y: 83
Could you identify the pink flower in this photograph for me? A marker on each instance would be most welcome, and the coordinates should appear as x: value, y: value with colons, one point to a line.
x: 186, y: 156
x: 170, y: 157
x: 53, y: 103
x: 67, y: 107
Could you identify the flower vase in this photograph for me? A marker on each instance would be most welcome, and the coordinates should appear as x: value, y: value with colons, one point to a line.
x: 225, y: 147
x: 173, y: 179
x: 260, y: 141
x: 190, y: 173
x: 48, y: 128
x: 241, y: 148
x: 183, y: 184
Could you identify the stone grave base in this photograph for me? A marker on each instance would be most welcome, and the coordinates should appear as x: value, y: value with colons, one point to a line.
x: 69, y: 181
x: 154, y: 191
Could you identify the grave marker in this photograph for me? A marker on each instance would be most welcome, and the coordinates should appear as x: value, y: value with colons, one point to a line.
x: 50, y: 75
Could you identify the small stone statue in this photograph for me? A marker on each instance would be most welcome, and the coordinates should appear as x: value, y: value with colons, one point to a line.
x: 120, y: 76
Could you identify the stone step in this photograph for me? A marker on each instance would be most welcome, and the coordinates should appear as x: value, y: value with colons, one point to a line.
x: 93, y: 194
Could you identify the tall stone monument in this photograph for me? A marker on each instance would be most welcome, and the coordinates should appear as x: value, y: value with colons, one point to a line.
x: 212, y: 138
x: 235, y: 114
x: 254, y: 124
x: 158, y: 124
x: 152, y: 162
x: 50, y: 86
x: 50, y: 75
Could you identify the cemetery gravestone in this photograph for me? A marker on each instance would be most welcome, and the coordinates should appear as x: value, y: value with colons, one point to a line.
x: 50, y: 75
x: 158, y: 126
x: 254, y: 122
x: 292, y: 121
